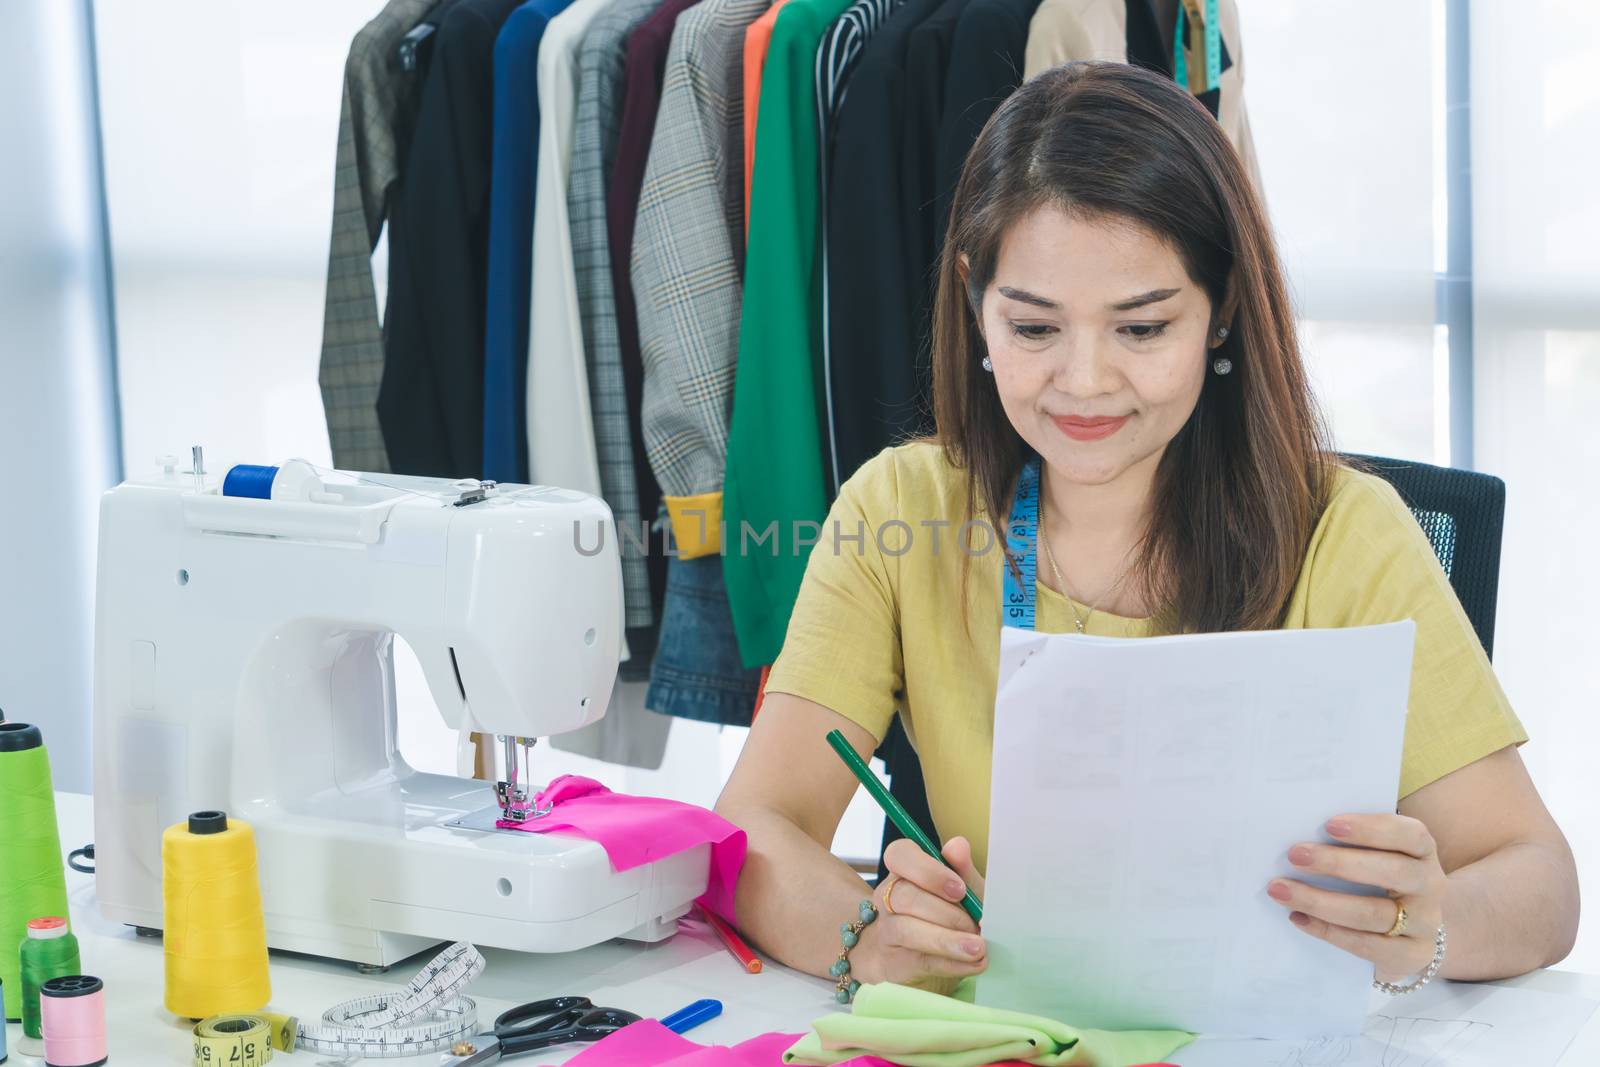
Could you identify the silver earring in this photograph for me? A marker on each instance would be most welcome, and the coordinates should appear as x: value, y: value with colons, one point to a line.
x: 1222, y: 333
x: 1222, y: 366
x: 987, y: 365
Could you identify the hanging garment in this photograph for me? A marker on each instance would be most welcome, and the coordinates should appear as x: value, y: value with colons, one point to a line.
x: 1063, y: 31
x: 1226, y: 102
x: 625, y: 477
x: 1140, y: 32
x: 561, y: 448
x: 756, y: 40
x: 922, y: 1029
x: 929, y: 57
x: 645, y: 68
x: 876, y: 214
x: 688, y: 255
x: 687, y: 260
x: 696, y: 673
x: 376, y: 116
x: 512, y: 187
x: 986, y: 63
x: 562, y: 443
x: 430, y: 402
x: 837, y: 56
x: 775, y: 474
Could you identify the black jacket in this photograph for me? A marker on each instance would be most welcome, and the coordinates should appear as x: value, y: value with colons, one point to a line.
x: 430, y: 404
x: 875, y: 266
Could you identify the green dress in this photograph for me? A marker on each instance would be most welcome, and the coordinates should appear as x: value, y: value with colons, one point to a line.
x: 775, y: 468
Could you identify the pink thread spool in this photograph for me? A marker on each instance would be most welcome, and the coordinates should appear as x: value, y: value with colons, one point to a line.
x: 73, y: 1009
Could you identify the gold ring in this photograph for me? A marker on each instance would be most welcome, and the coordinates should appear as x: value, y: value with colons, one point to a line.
x: 1399, y: 926
x: 888, y: 892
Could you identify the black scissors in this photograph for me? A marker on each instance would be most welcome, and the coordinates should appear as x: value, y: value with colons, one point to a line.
x: 560, y: 1021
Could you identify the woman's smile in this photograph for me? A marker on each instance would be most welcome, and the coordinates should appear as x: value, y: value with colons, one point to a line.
x: 1090, y: 428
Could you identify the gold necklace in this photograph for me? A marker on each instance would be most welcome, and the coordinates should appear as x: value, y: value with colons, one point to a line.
x: 1081, y: 621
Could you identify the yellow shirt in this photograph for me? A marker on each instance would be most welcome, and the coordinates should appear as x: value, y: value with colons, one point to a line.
x: 877, y: 627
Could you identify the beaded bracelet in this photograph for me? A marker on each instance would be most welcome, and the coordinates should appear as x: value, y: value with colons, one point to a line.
x: 850, y: 934
x: 1396, y: 990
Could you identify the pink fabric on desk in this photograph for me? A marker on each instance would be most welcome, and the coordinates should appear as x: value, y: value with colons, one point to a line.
x: 638, y: 830
x: 649, y: 1044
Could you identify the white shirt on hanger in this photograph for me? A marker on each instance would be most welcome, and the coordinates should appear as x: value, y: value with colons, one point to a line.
x: 561, y: 448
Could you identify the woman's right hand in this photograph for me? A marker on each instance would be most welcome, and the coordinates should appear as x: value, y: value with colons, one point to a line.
x: 922, y: 936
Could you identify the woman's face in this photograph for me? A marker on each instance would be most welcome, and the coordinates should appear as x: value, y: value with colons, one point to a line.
x: 1098, y: 337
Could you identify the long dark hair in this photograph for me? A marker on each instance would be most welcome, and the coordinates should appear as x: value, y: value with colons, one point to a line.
x: 1241, y: 487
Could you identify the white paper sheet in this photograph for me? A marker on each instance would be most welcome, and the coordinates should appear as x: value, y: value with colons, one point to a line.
x: 1144, y: 794
x: 1443, y: 1025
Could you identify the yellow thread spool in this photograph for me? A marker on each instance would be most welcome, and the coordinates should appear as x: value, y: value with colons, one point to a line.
x: 216, y: 936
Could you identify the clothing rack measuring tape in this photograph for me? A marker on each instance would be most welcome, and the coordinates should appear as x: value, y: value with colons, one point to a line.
x: 429, y: 1014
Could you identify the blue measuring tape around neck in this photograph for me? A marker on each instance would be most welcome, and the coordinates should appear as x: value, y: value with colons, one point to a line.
x: 1213, y: 48
x: 1018, y: 598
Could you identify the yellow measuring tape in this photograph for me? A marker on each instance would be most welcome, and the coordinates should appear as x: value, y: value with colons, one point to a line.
x: 242, y: 1040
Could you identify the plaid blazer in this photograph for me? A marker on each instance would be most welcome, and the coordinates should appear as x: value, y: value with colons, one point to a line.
x: 688, y: 248
x: 377, y: 101
x: 594, y: 144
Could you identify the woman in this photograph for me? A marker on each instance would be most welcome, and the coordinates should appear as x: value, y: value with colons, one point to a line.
x: 1110, y: 301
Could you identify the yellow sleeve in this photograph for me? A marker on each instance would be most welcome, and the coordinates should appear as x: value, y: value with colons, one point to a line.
x: 1371, y: 563
x: 842, y: 648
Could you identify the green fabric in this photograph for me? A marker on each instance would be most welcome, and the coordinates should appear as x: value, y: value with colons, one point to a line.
x: 775, y: 465
x: 919, y: 1029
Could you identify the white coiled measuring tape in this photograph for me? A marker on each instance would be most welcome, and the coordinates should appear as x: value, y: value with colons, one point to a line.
x: 428, y: 1015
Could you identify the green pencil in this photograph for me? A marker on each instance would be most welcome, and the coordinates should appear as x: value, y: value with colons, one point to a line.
x: 897, y: 814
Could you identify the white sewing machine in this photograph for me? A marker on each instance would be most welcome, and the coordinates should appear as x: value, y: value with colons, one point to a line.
x: 242, y: 662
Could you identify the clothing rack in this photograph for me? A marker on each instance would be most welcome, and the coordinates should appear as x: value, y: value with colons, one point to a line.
x: 569, y: 188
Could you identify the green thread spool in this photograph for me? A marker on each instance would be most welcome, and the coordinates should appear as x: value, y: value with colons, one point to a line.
x: 49, y: 951
x: 31, y: 879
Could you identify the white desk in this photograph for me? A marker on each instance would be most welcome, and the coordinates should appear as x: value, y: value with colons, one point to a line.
x: 650, y: 980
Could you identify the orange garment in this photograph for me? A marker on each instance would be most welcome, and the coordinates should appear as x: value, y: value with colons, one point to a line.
x: 761, y: 694
x: 756, y: 39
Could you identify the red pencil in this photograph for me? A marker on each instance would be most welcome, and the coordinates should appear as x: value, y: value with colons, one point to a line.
x: 730, y: 937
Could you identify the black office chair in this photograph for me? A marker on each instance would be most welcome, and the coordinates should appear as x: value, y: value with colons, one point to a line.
x: 1461, y: 512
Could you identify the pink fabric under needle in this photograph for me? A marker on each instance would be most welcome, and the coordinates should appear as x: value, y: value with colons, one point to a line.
x: 638, y: 830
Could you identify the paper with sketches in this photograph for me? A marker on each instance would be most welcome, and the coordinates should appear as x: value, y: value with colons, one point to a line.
x: 1144, y: 793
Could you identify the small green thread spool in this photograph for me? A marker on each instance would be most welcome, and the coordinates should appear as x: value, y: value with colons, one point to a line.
x: 49, y: 951
x: 30, y: 850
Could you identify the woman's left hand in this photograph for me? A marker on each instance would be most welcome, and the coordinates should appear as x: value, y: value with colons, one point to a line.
x: 1392, y: 852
